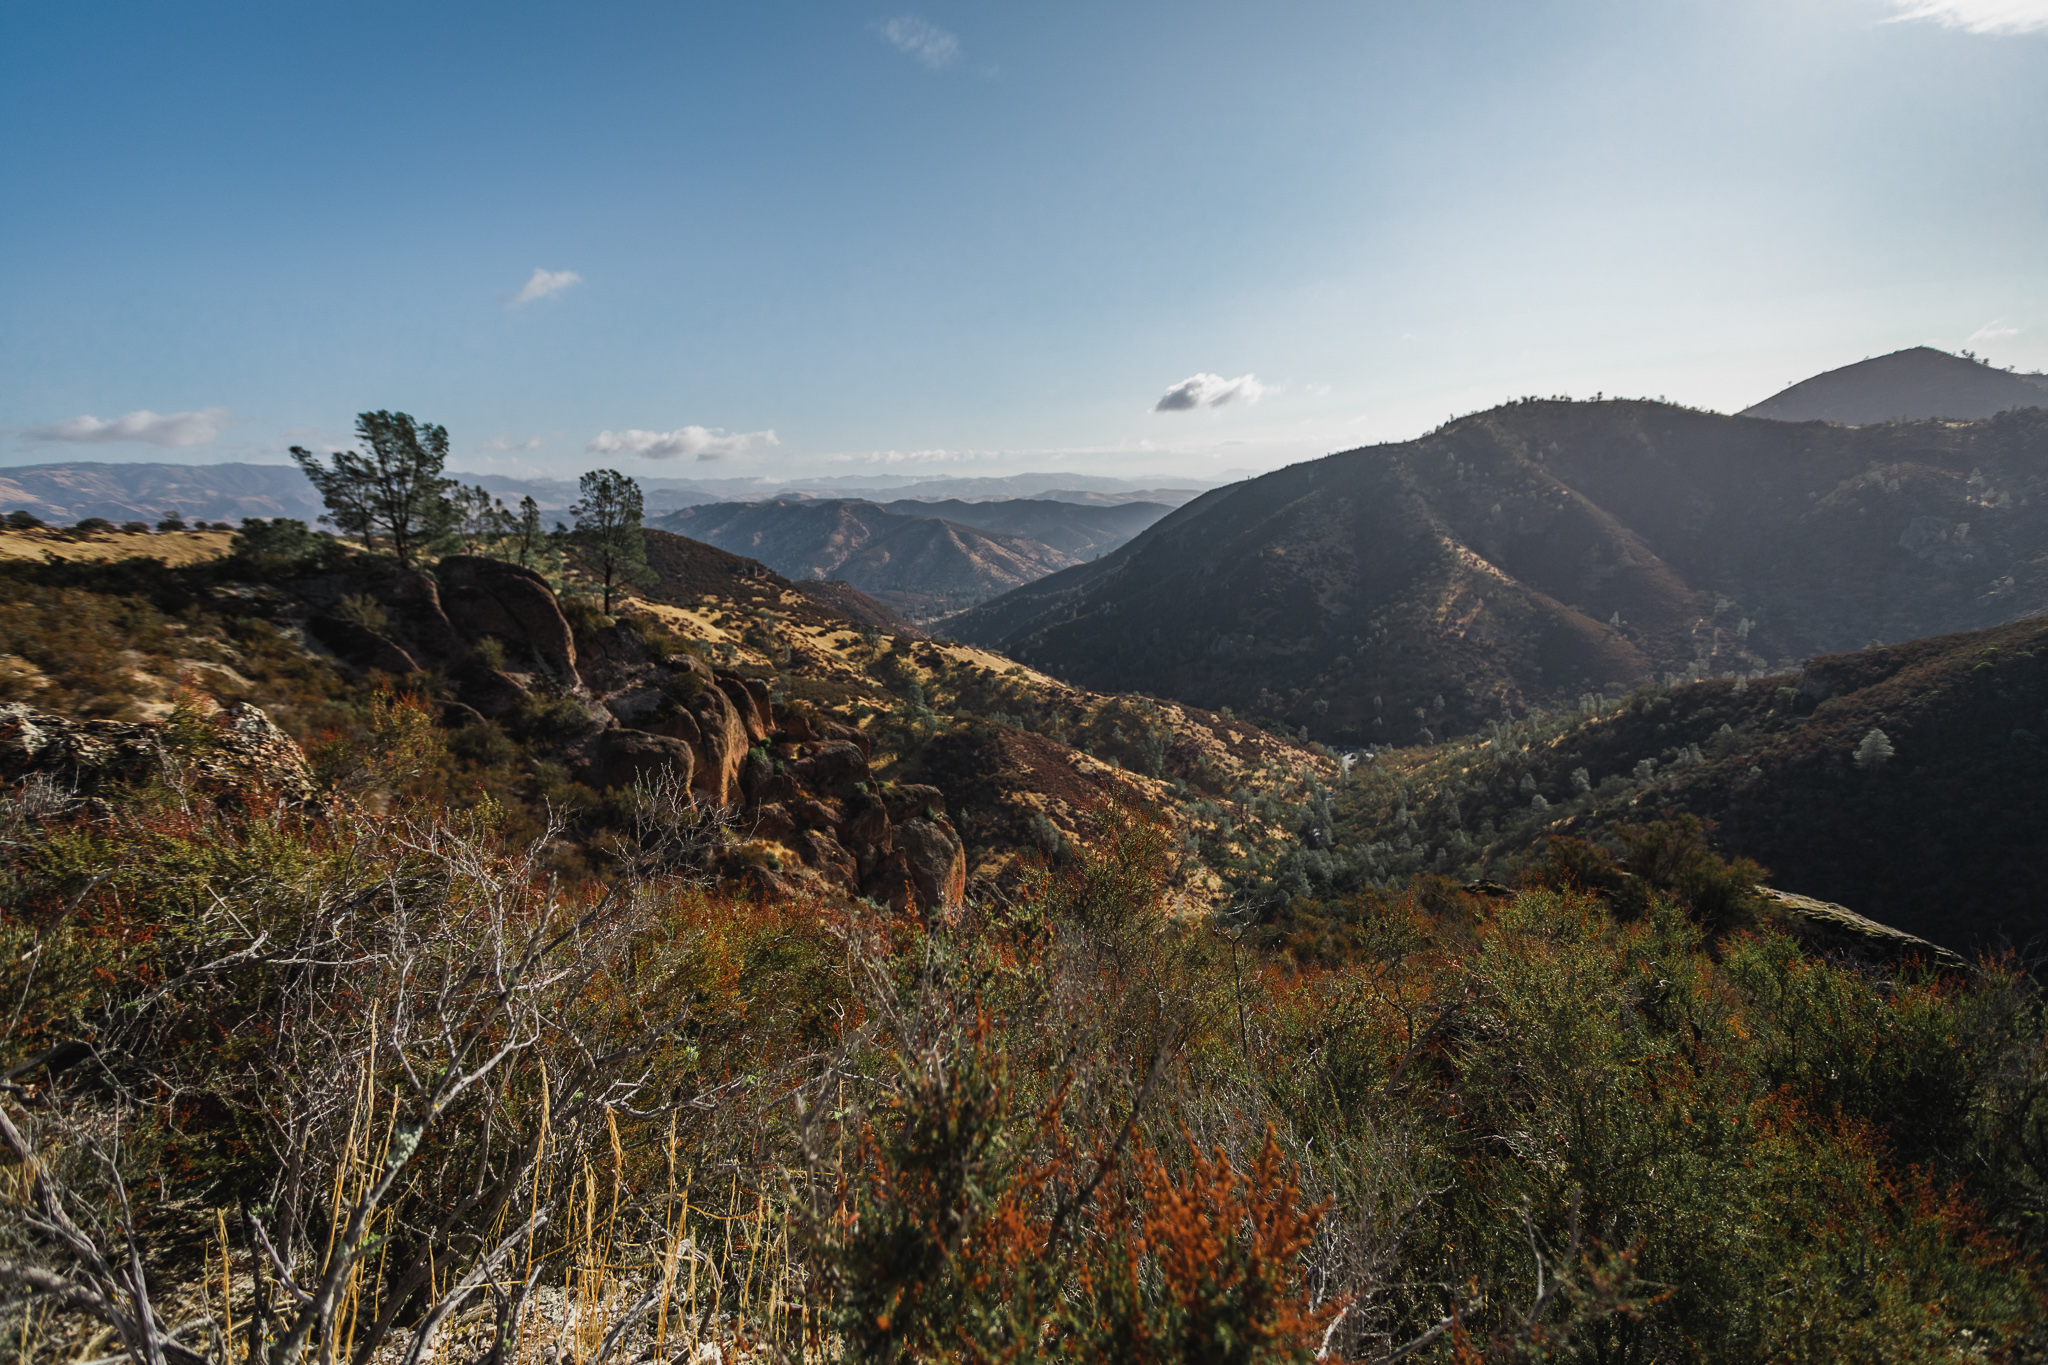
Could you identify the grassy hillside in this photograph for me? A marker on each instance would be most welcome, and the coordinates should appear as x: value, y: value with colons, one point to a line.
x: 1527, y: 555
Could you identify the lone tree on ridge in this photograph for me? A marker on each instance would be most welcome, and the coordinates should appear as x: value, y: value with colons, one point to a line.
x: 396, y: 489
x: 608, y: 531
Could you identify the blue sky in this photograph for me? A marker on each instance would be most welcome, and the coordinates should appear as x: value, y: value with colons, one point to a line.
x: 810, y: 239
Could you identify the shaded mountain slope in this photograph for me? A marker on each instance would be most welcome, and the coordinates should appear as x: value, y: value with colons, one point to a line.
x: 1076, y: 529
x: 1543, y: 550
x: 1916, y: 383
x: 920, y: 565
x: 1945, y: 838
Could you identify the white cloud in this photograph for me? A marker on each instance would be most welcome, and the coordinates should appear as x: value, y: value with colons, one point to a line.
x: 1994, y: 330
x: 149, y: 428
x: 546, y: 282
x: 1977, y: 16
x: 1209, y: 391
x: 922, y: 39
x: 702, y: 443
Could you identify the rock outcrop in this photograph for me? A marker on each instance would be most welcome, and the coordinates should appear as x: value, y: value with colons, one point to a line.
x: 619, y: 758
x: 488, y: 598
x: 1836, y: 928
x: 223, y: 749
x: 358, y: 644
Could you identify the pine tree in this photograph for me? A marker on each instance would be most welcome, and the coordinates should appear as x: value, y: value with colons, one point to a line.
x: 608, y: 532
x: 396, y: 489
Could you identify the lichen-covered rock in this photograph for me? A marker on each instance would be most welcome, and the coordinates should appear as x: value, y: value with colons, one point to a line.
x: 488, y: 597
x: 223, y: 749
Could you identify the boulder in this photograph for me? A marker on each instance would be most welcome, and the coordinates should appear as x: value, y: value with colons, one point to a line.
x: 773, y: 823
x: 619, y: 758
x: 912, y: 800
x: 857, y: 738
x: 924, y: 873
x: 937, y: 863
x: 636, y: 707
x: 764, y: 710
x: 413, y: 601
x: 812, y: 813
x: 735, y: 691
x: 672, y: 720
x: 232, y: 748
x: 794, y: 725
x: 359, y: 645
x: 866, y: 823
x: 836, y: 770
x: 490, y: 691
x: 721, y: 746
x: 488, y: 597
x: 822, y: 853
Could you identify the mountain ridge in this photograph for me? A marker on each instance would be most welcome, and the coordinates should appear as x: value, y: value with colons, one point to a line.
x: 1523, y: 556
x: 1915, y: 384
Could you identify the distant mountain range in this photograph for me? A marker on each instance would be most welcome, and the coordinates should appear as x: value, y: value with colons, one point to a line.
x: 1543, y: 550
x: 68, y: 492
x: 145, y: 492
x: 924, y: 559
x: 1913, y: 384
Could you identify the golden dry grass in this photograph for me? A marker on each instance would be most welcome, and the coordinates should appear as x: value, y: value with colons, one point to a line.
x: 177, y: 548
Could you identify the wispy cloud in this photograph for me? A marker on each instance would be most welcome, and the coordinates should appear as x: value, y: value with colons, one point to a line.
x: 1209, y: 391
x: 937, y: 455
x: 922, y: 39
x: 1995, y: 330
x: 503, y: 442
x: 546, y: 282
x: 699, y: 443
x: 144, y: 426
x: 1977, y: 16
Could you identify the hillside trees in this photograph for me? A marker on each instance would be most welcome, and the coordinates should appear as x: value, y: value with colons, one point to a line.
x: 397, y: 490
x: 608, y: 531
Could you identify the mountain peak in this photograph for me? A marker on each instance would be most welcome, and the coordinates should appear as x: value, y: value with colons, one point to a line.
x: 1917, y: 383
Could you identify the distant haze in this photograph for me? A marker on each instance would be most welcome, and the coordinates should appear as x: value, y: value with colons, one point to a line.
x: 64, y: 493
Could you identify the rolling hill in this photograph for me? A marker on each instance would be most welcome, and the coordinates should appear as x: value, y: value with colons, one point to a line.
x: 1078, y: 529
x: 1544, y: 550
x: 1912, y: 384
x: 922, y: 566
